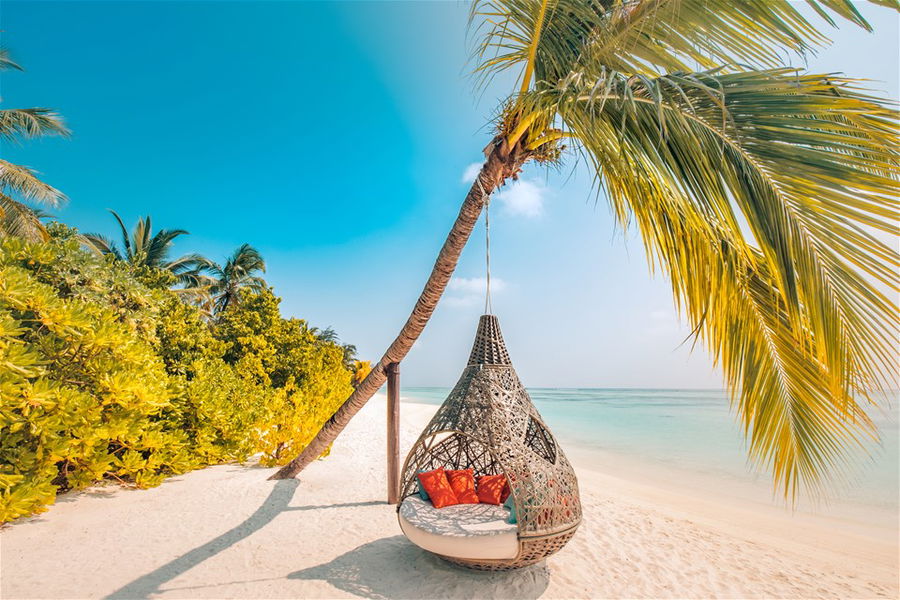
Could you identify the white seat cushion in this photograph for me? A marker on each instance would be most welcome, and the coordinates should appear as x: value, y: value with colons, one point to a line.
x: 476, y: 531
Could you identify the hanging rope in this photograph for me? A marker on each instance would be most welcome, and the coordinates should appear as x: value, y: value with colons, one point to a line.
x: 487, y: 244
x: 487, y: 254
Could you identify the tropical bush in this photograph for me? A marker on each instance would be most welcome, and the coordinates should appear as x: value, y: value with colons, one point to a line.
x: 81, y: 398
x: 307, y: 372
x: 106, y: 374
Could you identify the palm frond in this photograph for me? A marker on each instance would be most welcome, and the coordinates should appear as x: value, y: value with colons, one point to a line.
x: 246, y: 259
x: 350, y: 355
x: 21, y: 221
x: 143, y: 248
x: 807, y: 162
x: 16, y: 180
x: 101, y: 245
x: 7, y: 63
x: 159, y: 245
x: 123, y: 234
x: 197, y: 281
x: 327, y: 335
x: 645, y: 36
x: 41, y: 213
x: 140, y: 240
x: 30, y: 123
x: 190, y: 262
x: 238, y: 273
x: 254, y: 284
x: 215, y: 270
x: 19, y: 183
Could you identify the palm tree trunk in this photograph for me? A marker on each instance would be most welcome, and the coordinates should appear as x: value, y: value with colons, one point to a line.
x: 500, y: 165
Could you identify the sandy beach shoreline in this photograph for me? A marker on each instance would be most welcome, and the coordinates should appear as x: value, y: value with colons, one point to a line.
x: 227, y: 532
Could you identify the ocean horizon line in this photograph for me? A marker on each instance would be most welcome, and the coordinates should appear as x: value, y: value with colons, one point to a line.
x: 586, y: 388
x: 618, y: 388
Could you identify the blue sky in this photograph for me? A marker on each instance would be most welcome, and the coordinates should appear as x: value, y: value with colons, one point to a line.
x: 335, y: 138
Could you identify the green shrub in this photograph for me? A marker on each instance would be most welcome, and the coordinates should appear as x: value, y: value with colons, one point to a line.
x: 222, y: 414
x: 105, y: 373
x: 79, y: 395
x: 308, y: 373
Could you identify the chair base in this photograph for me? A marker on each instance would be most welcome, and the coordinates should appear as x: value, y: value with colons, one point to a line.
x: 530, y: 552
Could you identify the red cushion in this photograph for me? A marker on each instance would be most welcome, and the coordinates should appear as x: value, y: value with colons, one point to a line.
x: 493, y: 489
x: 462, y: 482
x: 439, y: 491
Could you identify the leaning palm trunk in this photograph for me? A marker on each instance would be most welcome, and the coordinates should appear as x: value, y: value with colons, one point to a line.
x: 501, y: 164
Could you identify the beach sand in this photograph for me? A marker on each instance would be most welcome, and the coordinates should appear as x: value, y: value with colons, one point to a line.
x: 227, y: 532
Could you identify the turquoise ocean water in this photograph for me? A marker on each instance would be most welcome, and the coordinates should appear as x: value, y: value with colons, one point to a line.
x: 691, y: 434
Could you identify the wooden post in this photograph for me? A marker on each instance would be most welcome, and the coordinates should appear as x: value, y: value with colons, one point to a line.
x: 393, y: 432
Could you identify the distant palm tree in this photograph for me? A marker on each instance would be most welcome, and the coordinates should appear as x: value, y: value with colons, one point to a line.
x: 20, y: 185
x: 764, y: 193
x: 327, y: 335
x: 143, y: 248
x: 240, y: 272
x: 330, y: 336
x: 350, y: 355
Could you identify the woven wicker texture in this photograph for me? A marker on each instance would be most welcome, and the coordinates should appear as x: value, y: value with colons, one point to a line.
x: 489, y: 424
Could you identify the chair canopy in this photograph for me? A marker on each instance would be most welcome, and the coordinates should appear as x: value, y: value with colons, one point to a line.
x: 488, y: 423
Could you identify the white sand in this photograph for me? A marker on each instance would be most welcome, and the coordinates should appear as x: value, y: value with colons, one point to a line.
x: 227, y: 532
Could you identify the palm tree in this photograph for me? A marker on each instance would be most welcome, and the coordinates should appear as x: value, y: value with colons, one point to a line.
x: 350, y: 356
x: 762, y: 192
x: 20, y: 185
x: 327, y: 335
x: 143, y: 248
x: 330, y: 336
x: 241, y: 271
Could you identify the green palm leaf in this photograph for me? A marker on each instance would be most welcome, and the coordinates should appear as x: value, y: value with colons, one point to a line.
x: 142, y: 248
x: 7, y: 63
x: 30, y: 123
x: 21, y: 181
x: 765, y: 195
x: 239, y: 273
x: 20, y: 220
x: 646, y: 36
x: 100, y: 244
x: 20, y: 185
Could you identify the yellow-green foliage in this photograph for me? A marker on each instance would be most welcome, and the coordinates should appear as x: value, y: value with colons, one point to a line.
x: 106, y: 374
x: 223, y: 414
x: 308, y: 375
x: 360, y: 370
x: 79, y: 394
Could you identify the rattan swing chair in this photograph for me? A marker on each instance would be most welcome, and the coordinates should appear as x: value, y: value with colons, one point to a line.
x: 488, y: 423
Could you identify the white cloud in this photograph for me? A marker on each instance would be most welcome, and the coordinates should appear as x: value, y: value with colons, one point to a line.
x: 523, y: 199
x: 475, y: 285
x: 469, y: 291
x: 471, y: 173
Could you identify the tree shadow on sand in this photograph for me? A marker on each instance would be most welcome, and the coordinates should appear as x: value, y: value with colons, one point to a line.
x: 275, y: 504
x: 395, y: 568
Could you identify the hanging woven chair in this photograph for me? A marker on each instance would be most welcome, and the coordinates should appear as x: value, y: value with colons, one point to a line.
x: 489, y: 424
